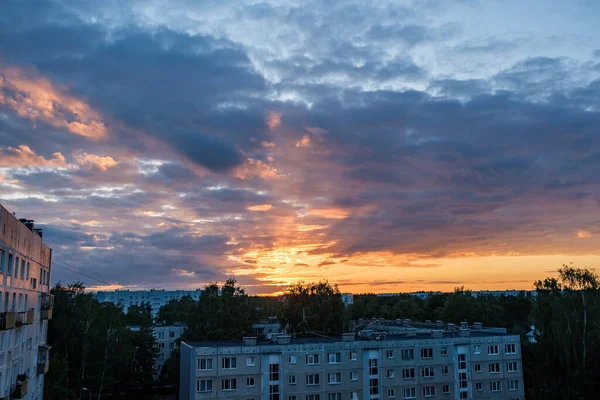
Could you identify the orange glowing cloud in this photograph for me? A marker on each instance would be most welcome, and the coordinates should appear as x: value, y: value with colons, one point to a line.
x: 101, y: 162
x: 304, y: 142
x: 37, y: 98
x: 260, y: 207
x: 584, y: 234
x: 269, y: 145
x: 23, y: 156
x: 273, y: 120
x: 253, y: 167
x: 333, y: 213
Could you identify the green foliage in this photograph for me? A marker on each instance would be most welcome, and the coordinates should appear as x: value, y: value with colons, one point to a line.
x: 93, y: 348
x: 176, y: 310
x: 139, y: 315
x: 567, y: 314
x: 313, y: 307
x: 222, y: 313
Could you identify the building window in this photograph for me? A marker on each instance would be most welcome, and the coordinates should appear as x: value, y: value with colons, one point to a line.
x: 446, y: 388
x: 9, y: 265
x: 512, y: 366
x: 2, y: 254
x: 494, y: 368
x: 291, y: 397
x: 229, y: 363
x: 292, y: 379
x: 389, y: 353
x: 391, y: 393
x: 171, y: 334
x: 205, y: 364
x: 410, y: 393
x: 374, y: 386
x: 28, y: 270
x: 408, y: 354
x: 353, y: 375
x: 428, y: 391
x: 463, y: 395
x: 462, y: 361
x: 312, y: 359
x: 335, y: 358
x: 204, y: 385
x: 250, y: 382
x: 273, y: 372
x: 312, y: 379
x: 426, y: 353
x: 22, y: 269
x: 250, y: 361
x: 496, y: 386
x: 292, y: 359
x: 408, y: 373
x: 313, y: 397
x: 510, y: 348
x: 228, y: 384
x: 334, y: 378
x: 493, y: 350
x: 444, y: 351
x: 462, y: 380
x: 353, y: 356
x: 171, y: 345
x: 373, y: 370
x: 477, y: 349
x: 354, y: 396
x: 513, y: 385
x: 479, y: 386
x: 390, y: 373
x: 477, y: 367
x: 428, y: 372
x: 334, y: 396
x: 273, y: 392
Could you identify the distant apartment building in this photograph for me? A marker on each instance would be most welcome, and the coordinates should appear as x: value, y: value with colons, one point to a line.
x: 156, y: 298
x: 454, y: 362
x: 166, y: 337
x: 25, y: 308
x: 474, y: 293
x: 348, y: 299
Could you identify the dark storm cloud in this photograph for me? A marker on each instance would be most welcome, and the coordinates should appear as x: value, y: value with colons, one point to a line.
x: 131, y: 75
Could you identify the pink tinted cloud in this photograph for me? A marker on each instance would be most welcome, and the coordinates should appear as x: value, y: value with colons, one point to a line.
x: 36, y: 98
x: 100, y: 162
x: 24, y: 156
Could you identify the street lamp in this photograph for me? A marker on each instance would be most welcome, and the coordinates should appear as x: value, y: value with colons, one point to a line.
x: 89, y: 391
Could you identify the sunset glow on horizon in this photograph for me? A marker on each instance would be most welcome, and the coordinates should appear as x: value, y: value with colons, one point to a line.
x: 408, y: 149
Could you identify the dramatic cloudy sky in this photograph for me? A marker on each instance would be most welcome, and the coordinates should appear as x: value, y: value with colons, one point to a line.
x: 385, y: 146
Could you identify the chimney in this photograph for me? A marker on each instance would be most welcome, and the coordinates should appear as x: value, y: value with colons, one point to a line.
x: 477, y: 325
x: 249, y: 341
x: 464, y: 325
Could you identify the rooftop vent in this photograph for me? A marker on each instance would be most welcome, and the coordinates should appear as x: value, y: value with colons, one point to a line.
x: 249, y: 341
x: 477, y: 325
x: 28, y: 223
x: 464, y: 325
x: 348, y: 337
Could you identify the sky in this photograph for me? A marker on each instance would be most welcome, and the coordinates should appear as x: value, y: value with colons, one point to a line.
x: 387, y: 146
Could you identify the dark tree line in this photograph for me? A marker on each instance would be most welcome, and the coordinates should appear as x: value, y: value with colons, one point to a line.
x: 93, y: 351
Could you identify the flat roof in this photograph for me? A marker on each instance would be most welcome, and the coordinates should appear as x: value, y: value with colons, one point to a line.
x: 338, y: 339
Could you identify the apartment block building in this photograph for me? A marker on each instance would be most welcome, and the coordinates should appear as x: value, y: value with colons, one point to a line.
x: 166, y: 341
x: 25, y: 308
x: 155, y: 297
x: 449, y: 363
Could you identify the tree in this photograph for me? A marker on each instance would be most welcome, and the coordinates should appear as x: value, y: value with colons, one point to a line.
x: 176, y: 310
x: 567, y: 314
x: 222, y: 313
x: 313, y: 307
x: 139, y: 315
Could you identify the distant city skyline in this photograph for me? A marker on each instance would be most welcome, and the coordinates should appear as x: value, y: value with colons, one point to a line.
x: 381, y: 145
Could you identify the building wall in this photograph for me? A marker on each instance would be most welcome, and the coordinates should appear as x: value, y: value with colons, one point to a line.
x: 21, y: 291
x: 388, y: 356
x: 156, y: 298
x: 166, y: 340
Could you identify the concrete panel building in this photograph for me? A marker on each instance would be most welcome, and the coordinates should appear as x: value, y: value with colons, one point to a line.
x: 449, y: 363
x: 166, y: 337
x: 156, y: 298
x: 25, y: 308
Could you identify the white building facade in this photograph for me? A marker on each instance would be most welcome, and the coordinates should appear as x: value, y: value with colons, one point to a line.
x: 157, y: 298
x: 25, y: 308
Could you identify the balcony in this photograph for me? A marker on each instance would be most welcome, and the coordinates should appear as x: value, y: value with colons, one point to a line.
x: 25, y: 317
x: 8, y: 320
x: 43, y: 363
x: 47, y: 306
x: 20, y: 388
